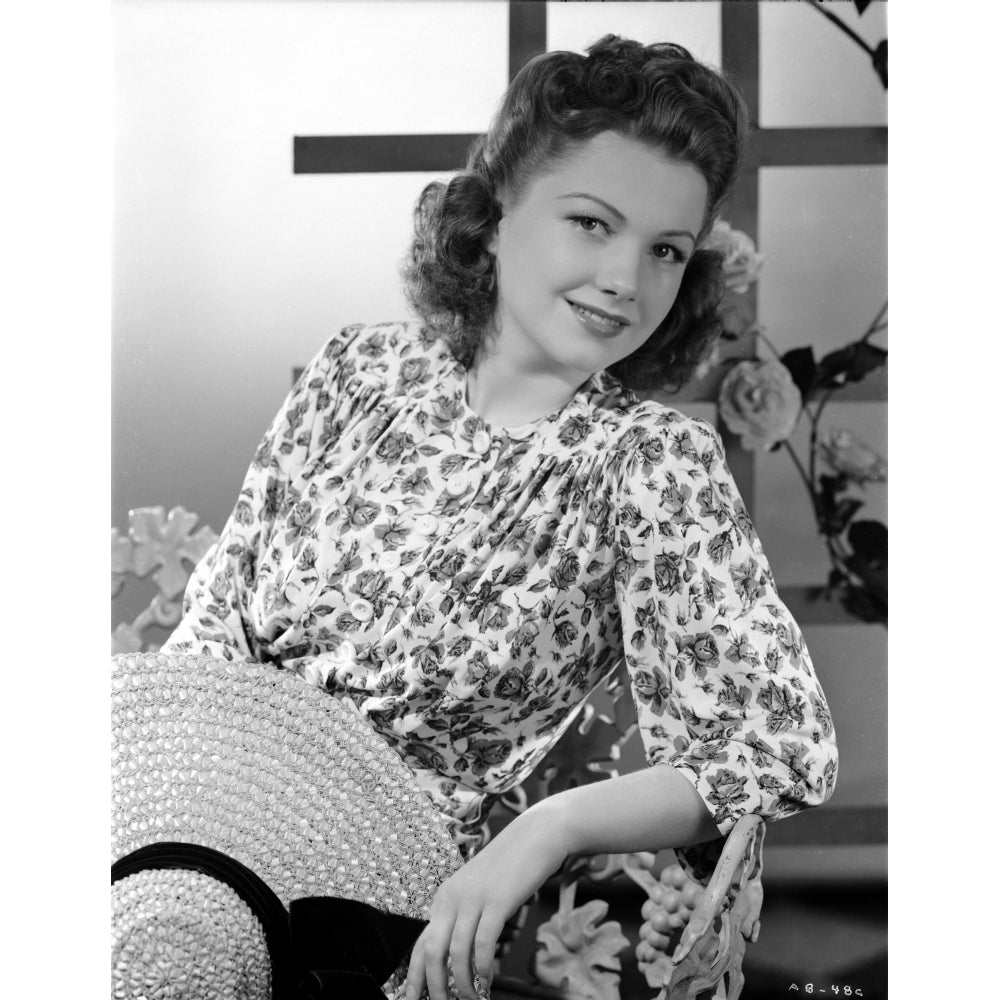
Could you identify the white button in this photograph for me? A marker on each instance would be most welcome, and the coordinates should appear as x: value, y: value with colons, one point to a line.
x: 455, y: 485
x: 389, y: 561
x: 345, y: 652
x: 362, y: 610
x: 481, y: 442
x: 426, y: 524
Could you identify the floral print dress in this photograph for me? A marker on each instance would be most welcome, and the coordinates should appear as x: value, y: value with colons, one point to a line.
x: 468, y: 586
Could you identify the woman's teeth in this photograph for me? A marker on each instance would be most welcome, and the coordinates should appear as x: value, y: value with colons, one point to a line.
x: 597, y: 322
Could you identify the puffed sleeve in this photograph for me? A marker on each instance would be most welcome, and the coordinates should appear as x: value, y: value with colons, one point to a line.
x: 215, y: 617
x: 724, y: 687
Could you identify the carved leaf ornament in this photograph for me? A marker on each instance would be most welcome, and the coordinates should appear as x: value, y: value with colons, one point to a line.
x: 578, y: 955
x: 166, y: 544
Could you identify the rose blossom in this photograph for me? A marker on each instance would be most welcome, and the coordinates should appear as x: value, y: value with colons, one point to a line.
x: 849, y: 455
x: 741, y: 262
x: 759, y: 401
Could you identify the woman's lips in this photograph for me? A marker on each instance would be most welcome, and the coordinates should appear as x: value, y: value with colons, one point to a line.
x: 597, y: 321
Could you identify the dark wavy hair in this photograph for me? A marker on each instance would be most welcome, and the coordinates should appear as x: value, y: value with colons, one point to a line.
x: 659, y: 95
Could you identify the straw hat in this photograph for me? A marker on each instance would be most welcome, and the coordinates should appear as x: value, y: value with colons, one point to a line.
x: 265, y: 842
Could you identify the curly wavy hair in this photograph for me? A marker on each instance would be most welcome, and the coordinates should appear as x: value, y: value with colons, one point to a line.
x: 657, y: 94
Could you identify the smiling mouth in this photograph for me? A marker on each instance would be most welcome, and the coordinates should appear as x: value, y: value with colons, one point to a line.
x: 597, y: 320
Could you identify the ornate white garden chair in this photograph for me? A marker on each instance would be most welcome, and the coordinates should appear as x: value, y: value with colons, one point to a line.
x: 577, y: 955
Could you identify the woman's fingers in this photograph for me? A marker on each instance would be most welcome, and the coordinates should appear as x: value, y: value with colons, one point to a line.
x: 487, y: 935
x: 415, y: 977
x: 468, y: 939
x: 436, y: 945
x: 462, y: 938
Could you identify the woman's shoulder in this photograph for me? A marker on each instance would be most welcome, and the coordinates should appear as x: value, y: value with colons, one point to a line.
x: 398, y: 355
x: 649, y: 429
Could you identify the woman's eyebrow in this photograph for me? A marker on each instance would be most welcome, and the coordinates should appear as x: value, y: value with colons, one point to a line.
x: 621, y: 218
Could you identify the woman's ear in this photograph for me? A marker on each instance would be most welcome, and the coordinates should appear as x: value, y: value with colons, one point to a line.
x: 493, y: 239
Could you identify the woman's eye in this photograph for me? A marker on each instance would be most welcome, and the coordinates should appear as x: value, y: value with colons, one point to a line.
x: 589, y: 224
x: 668, y: 252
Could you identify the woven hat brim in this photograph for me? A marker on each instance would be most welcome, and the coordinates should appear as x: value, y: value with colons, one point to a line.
x: 250, y: 760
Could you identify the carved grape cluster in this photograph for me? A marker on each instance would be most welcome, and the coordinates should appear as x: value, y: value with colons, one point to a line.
x: 666, y: 913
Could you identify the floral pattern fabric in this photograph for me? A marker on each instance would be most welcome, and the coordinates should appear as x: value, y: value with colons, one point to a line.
x: 467, y: 586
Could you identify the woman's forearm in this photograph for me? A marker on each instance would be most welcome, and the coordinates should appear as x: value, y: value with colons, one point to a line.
x: 647, y: 810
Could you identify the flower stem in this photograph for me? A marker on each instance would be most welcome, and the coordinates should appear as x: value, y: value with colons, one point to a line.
x: 806, y: 478
x: 877, y: 324
x: 767, y: 340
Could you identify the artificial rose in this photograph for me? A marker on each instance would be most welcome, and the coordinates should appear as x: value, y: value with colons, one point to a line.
x: 741, y: 264
x: 759, y: 401
x: 849, y: 455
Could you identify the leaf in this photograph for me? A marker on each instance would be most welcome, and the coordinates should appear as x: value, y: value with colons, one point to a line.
x: 862, y: 5
x: 870, y: 541
x: 880, y: 60
x: 850, y: 364
x: 801, y: 362
x: 832, y: 485
x: 865, y: 605
x: 838, y: 519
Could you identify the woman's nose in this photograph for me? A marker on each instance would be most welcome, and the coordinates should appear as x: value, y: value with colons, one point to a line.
x: 619, y: 273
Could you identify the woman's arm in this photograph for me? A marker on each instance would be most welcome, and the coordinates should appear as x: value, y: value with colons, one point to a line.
x: 645, y: 811
x: 724, y: 687
x: 216, y: 618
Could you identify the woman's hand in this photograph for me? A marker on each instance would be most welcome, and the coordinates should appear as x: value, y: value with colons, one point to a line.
x: 470, y: 909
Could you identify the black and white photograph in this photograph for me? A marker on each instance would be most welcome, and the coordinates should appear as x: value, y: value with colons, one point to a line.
x: 499, y: 499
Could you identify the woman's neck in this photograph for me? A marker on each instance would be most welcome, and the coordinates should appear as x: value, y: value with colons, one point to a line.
x: 506, y: 394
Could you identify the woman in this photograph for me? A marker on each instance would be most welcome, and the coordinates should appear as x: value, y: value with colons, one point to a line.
x: 464, y: 524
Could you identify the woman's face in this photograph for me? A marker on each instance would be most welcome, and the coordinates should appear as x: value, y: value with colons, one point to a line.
x: 591, y: 255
